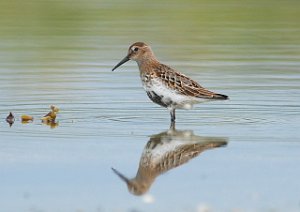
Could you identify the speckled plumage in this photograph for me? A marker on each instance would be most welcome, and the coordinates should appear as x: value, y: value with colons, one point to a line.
x: 166, y: 151
x: 164, y: 85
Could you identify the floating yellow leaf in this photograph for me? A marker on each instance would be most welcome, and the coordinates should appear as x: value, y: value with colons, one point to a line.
x: 26, y: 118
x: 46, y: 118
x: 52, y: 124
x: 54, y: 108
x: 51, y: 116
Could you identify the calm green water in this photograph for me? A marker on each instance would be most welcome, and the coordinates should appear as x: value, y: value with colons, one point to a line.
x: 62, y: 52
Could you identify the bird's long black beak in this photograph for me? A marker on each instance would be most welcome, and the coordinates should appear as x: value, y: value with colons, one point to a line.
x: 125, y: 179
x: 125, y: 59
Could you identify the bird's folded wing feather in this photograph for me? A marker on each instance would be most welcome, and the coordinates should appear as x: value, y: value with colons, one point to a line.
x: 181, y: 83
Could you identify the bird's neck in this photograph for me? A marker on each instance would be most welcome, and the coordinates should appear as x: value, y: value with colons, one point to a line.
x: 147, y: 63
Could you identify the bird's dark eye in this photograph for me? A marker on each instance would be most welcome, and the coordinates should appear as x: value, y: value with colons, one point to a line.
x: 136, y: 49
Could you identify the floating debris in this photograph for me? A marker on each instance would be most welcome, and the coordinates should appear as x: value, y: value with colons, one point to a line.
x: 51, y: 124
x: 26, y: 118
x: 10, y: 119
x: 51, y: 116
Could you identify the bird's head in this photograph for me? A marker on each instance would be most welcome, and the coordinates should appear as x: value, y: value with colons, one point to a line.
x: 138, y: 51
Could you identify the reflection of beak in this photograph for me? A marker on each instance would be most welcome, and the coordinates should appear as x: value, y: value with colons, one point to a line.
x: 125, y: 179
x: 120, y: 63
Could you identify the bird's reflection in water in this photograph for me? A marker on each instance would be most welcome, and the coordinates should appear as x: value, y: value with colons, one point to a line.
x: 165, y: 151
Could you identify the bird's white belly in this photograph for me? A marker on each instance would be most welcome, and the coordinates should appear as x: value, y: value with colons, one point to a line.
x: 170, y: 97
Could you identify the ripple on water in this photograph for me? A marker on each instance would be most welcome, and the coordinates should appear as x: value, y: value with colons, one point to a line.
x: 96, y: 120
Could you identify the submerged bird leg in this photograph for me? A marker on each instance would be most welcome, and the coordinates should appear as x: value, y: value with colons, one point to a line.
x: 172, y: 113
x: 172, y: 126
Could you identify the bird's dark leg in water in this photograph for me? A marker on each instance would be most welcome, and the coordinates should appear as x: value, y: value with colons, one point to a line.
x: 172, y: 112
x: 172, y: 126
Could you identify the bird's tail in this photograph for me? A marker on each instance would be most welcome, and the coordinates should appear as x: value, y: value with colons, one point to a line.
x: 220, y: 96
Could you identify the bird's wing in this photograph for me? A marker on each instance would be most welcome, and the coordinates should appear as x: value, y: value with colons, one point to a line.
x: 181, y: 83
x: 183, y: 154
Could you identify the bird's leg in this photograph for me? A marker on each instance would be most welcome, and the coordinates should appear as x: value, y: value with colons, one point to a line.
x: 172, y: 112
x: 172, y: 126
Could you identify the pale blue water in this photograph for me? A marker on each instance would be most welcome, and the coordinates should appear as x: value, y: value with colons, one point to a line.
x: 62, y: 53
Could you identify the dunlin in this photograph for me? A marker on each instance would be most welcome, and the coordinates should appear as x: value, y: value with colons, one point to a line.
x: 164, y: 85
